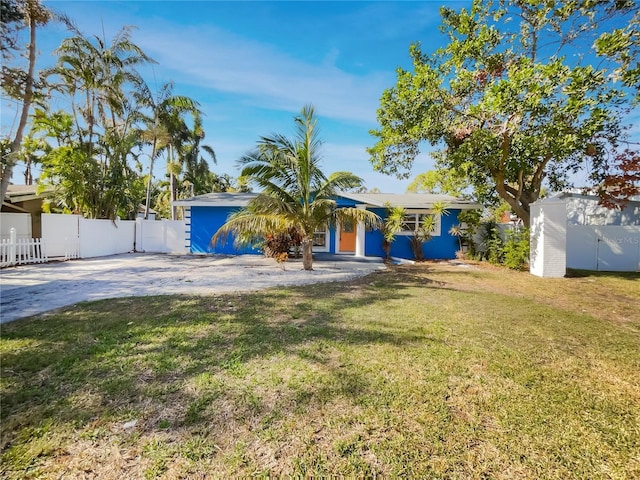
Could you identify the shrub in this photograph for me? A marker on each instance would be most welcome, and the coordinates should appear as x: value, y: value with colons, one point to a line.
x: 516, y: 249
x: 278, y: 245
x: 492, y: 245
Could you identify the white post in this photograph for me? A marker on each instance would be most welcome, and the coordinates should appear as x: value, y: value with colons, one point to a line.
x: 360, y: 231
x: 13, y: 240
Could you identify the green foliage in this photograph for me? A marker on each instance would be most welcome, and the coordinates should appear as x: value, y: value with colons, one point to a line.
x: 391, y: 226
x: 82, y: 184
x: 448, y: 182
x: 166, y: 131
x: 424, y: 231
x: 499, y: 106
x: 491, y: 245
x: 516, y: 249
x: 498, y: 212
x: 623, y: 46
x: 466, y: 230
x: 510, y: 248
x: 93, y: 168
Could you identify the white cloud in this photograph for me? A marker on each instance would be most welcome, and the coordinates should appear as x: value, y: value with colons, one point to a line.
x: 266, y: 77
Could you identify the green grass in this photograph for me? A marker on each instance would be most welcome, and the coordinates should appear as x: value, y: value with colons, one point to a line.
x: 427, y: 371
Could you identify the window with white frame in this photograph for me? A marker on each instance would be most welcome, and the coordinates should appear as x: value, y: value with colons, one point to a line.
x: 321, y: 240
x: 414, y: 219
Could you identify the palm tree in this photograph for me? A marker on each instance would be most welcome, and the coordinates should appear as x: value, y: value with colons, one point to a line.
x: 425, y: 229
x: 391, y: 227
x: 93, y: 73
x: 296, y: 194
x: 164, y: 124
x: 96, y: 76
x: 197, y: 173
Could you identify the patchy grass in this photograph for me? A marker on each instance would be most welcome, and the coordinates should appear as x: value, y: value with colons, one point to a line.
x: 430, y: 371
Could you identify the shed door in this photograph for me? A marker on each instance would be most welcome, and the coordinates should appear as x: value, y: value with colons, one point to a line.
x: 347, y: 237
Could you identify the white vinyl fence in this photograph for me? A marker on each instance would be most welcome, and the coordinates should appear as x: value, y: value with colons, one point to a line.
x: 21, y: 222
x: 166, y: 236
x: 61, y: 235
x: 72, y: 236
x: 100, y: 238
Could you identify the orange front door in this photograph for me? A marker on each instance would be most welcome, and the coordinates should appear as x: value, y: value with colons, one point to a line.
x: 347, y: 237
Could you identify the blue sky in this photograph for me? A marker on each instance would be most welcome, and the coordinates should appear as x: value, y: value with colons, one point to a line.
x: 253, y: 65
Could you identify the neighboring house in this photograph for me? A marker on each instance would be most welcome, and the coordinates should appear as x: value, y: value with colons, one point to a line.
x: 142, y: 211
x: 205, y: 214
x: 26, y: 199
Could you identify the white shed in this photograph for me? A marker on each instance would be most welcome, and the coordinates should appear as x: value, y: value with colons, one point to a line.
x: 572, y: 228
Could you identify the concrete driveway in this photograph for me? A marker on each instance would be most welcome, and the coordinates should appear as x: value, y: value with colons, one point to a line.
x: 32, y: 289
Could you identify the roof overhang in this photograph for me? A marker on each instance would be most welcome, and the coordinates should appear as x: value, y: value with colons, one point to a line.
x: 25, y: 193
x: 410, y: 201
x: 588, y: 197
x: 217, y: 200
x: 11, y: 208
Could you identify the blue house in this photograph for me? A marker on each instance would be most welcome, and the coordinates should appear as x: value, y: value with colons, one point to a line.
x: 205, y: 214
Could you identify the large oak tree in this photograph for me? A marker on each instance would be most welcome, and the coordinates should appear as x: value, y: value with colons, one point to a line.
x: 514, y: 99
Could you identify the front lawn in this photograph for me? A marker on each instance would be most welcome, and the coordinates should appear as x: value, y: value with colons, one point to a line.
x: 426, y: 371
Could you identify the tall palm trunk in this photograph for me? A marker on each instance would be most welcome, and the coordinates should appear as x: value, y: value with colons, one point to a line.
x: 148, y: 200
x: 172, y: 184
x: 307, y: 253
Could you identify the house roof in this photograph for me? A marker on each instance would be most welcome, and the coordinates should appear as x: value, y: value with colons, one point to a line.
x: 410, y: 200
x: 142, y: 208
x: 634, y: 202
x: 23, y: 193
x: 226, y: 199
x: 407, y: 200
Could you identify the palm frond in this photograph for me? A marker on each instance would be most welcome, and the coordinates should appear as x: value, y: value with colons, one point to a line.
x: 370, y: 219
x: 249, y: 227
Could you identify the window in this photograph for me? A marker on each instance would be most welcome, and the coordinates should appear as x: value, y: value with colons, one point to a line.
x: 413, y: 220
x: 321, y: 240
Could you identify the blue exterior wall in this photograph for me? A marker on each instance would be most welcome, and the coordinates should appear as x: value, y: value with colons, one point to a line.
x: 205, y: 222
x: 443, y: 246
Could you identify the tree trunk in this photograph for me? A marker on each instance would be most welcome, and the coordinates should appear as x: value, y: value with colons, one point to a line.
x: 148, y: 196
x: 519, y: 208
x: 386, y: 246
x: 28, y: 176
x: 307, y: 253
x: 172, y: 186
x: 7, y: 171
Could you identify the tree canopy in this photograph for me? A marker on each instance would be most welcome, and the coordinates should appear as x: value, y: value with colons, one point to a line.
x: 91, y: 149
x: 509, y: 100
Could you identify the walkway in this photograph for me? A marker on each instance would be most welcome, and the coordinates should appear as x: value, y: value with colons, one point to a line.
x: 32, y: 289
